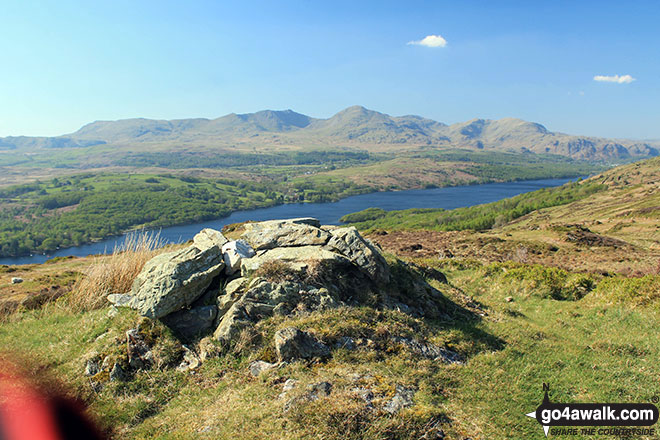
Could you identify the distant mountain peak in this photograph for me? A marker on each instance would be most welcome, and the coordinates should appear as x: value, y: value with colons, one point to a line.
x: 355, y: 125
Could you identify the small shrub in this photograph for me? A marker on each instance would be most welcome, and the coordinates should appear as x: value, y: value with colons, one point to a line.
x: 644, y: 291
x: 543, y: 281
x: 276, y: 271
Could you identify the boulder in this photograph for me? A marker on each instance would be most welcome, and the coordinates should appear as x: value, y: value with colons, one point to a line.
x: 189, y: 323
x: 297, y: 258
x: 284, y: 234
x: 16, y: 280
x: 262, y: 299
x: 234, y: 252
x: 173, y: 280
x: 208, y: 237
x: 232, y: 292
x: 360, y: 252
x: 232, y: 322
x: 274, y: 223
x: 292, y: 344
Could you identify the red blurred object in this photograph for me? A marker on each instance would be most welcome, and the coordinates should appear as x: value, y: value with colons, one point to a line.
x: 29, y: 412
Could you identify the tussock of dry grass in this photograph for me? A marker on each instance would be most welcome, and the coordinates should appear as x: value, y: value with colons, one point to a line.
x: 114, y: 273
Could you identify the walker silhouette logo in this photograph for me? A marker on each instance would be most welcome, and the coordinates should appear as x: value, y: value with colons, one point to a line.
x: 612, y: 415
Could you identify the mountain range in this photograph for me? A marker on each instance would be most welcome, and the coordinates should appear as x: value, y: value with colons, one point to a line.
x: 354, y: 127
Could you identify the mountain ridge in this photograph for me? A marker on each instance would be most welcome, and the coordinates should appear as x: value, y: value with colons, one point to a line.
x: 355, y: 125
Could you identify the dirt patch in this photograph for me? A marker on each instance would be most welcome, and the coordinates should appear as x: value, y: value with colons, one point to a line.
x: 582, y: 236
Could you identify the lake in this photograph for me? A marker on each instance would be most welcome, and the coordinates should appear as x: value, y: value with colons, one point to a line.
x: 327, y: 213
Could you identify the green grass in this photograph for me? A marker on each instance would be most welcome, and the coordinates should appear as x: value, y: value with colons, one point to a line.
x: 596, y: 347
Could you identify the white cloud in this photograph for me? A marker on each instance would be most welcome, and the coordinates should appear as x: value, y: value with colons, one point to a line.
x: 623, y: 79
x: 430, y: 41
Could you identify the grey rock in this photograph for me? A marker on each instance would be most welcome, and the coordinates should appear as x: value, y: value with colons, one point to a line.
x: 289, y: 385
x: 208, y: 237
x: 320, y: 389
x: 360, y: 252
x: 310, y: 221
x: 120, y: 299
x: 292, y: 344
x: 171, y: 281
x: 139, y: 352
x: 430, y: 351
x: 93, y: 366
x: 297, y: 258
x: 190, y: 360
x: 16, y: 280
x: 270, y: 235
x: 234, y: 252
x: 232, y: 293
x: 365, y: 394
x: 117, y: 374
x: 258, y: 367
x: 403, y: 398
x: 346, y: 342
x: 188, y: 324
x: 264, y: 299
x: 232, y: 323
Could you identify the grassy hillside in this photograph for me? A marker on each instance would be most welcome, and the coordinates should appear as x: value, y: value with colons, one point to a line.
x: 606, y: 223
x: 516, y: 325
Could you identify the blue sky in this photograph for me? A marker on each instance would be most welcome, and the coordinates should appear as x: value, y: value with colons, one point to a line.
x: 65, y: 63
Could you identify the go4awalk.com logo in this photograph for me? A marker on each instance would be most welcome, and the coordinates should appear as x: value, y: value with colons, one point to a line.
x: 616, y: 419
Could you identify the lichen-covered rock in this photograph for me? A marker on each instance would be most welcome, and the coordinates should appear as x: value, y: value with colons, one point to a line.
x: 208, y: 237
x: 234, y: 252
x: 263, y: 299
x: 93, y: 365
x: 360, y: 252
x: 171, y: 281
x: 258, y: 367
x: 120, y: 299
x: 187, y: 324
x: 403, y: 398
x: 232, y: 323
x: 310, y: 221
x: 269, y: 235
x: 231, y: 293
x: 292, y: 344
x: 118, y: 374
x: 190, y: 360
x: 139, y: 352
x: 297, y: 258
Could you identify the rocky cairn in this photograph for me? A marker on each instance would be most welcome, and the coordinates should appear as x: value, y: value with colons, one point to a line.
x: 213, y: 290
x: 278, y: 267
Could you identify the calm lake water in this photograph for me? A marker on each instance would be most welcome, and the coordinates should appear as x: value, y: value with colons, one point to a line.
x: 327, y: 213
